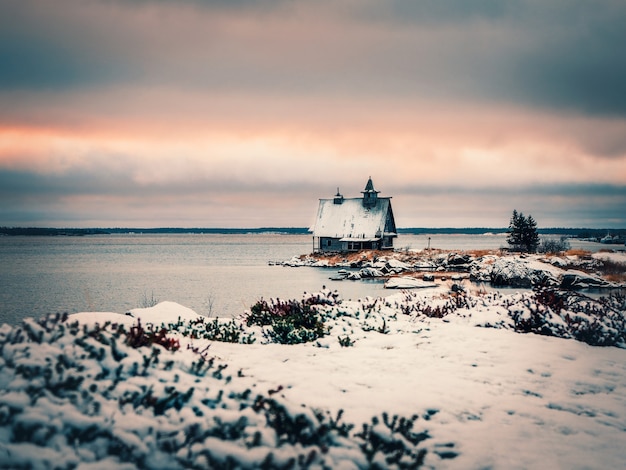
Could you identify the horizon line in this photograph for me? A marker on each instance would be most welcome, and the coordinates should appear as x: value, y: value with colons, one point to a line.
x: 279, y: 228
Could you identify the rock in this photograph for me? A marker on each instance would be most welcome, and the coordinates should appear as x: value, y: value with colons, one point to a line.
x: 407, y: 282
x: 340, y: 276
x: 321, y: 264
x: 513, y: 271
x: 458, y: 260
x: 395, y: 265
x: 425, y: 266
x: 428, y: 277
x: 558, y: 262
x: 580, y: 280
x: 370, y: 272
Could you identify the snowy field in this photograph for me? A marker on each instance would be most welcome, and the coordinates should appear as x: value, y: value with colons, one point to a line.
x: 468, y: 389
x: 505, y: 400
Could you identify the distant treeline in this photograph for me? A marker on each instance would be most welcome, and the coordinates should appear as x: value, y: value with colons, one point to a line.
x: 75, y: 232
x: 570, y: 232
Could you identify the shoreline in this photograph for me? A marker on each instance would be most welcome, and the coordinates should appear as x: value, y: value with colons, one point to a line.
x: 573, y: 269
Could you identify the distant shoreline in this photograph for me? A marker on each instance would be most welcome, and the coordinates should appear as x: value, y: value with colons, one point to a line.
x: 50, y: 231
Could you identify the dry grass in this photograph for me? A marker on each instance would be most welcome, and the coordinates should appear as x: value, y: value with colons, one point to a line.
x: 617, y: 278
x: 352, y: 257
x: 481, y: 253
x: 578, y: 252
x: 613, y: 271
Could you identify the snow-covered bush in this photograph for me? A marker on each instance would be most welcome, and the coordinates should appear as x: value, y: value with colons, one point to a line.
x: 291, y: 321
x: 228, y: 331
x: 546, y: 311
x: 75, y: 396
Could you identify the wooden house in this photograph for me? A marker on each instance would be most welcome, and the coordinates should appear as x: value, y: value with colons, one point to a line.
x: 352, y: 224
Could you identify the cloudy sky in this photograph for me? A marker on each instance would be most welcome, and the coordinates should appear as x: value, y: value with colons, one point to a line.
x: 242, y: 113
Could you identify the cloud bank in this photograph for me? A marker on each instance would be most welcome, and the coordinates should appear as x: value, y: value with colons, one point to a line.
x: 243, y: 113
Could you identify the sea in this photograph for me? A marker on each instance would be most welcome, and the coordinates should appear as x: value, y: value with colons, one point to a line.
x: 218, y: 275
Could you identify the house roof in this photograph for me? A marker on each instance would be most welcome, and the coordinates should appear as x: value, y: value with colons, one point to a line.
x: 351, y: 220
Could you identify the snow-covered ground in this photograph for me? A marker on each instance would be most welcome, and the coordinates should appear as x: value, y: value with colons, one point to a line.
x: 485, y: 395
x: 616, y: 256
x: 505, y: 400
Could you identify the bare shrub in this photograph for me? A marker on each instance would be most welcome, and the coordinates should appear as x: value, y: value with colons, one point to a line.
x: 552, y: 245
x: 148, y: 302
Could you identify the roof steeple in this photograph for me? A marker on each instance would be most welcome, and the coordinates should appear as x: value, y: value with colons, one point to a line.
x: 370, y: 186
x: 370, y: 195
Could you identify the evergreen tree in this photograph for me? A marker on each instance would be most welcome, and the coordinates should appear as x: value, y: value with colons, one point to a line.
x: 514, y: 238
x: 530, y: 237
x: 522, y: 233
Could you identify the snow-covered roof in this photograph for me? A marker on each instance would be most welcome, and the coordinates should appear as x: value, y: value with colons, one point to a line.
x: 351, y: 219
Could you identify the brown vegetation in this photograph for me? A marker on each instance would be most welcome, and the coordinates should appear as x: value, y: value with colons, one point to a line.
x: 481, y: 253
x: 578, y: 252
x: 613, y: 271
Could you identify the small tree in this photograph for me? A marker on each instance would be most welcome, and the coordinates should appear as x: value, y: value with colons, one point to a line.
x: 522, y: 233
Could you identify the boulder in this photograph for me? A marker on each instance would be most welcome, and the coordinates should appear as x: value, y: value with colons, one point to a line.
x: 558, y: 262
x: 395, y: 265
x: 514, y: 272
x: 458, y: 261
x: 370, y: 272
x: 457, y: 288
x: 580, y: 280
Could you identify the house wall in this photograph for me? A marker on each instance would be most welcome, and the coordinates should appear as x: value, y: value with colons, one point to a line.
x: 333, y: 244
x: 330, y: 244
x: 387, y: 242
x: 356, y: 246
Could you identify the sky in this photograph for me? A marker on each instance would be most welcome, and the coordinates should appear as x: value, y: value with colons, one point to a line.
x: 243, y: 113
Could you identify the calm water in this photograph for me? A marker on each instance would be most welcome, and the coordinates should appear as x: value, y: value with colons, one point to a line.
x: 221, y: 275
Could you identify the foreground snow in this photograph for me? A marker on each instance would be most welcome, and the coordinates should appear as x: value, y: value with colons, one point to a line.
x: 503, y: 399
x: 485, y: 397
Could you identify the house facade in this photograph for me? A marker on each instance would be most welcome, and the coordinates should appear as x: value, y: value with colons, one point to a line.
x: 352, y: 224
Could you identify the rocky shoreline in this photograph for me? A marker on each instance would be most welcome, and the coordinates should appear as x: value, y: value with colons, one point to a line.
x: 403, y: 269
